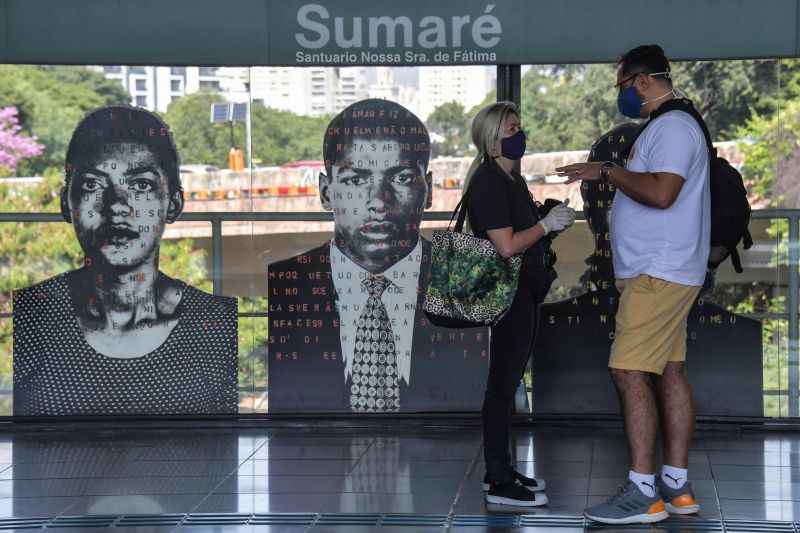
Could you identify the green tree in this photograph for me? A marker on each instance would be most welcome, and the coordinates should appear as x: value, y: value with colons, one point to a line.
x: 729, y: 93
x: 277, y: 136
x: 567, y: 107
x: 51, y: 102
x: 281, y: 136
x: 772, y: 155
x: 771, y: 169
x: 451, y: 123
x: 109, y: 91
x: 197, y: 139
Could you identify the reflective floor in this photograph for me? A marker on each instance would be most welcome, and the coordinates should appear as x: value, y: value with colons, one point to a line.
x: 365, y: 480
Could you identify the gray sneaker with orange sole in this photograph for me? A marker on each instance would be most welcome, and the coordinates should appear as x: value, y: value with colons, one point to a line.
x: 629, y: 506
x: 679, y: 501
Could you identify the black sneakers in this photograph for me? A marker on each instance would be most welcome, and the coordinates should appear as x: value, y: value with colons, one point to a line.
x: 515, y: 494
x: 536, y: 485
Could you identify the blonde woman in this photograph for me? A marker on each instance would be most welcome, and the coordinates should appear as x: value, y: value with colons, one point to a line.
x: 501, y: 209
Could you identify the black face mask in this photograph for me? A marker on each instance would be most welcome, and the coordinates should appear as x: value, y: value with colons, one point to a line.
x: 513, y: 147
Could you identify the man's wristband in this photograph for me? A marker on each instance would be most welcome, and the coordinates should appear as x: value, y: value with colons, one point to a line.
x: 605, y: 171
x: 605, y: 168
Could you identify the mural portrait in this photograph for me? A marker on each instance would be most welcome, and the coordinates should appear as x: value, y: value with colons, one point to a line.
x: 576, y: 334
x: 118, y: 336
x: 347, y: 330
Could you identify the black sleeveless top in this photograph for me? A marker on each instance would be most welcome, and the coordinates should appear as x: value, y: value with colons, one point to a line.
x: 56, y: 372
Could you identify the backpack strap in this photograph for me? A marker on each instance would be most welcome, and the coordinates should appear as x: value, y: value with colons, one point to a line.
x: 686, y: 105
x: 676, y: 104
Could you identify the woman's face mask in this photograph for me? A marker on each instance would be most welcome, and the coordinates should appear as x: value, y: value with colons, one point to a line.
x: 513, y: 147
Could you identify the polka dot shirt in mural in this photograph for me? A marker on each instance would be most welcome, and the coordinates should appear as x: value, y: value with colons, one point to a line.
x: 56, y: 372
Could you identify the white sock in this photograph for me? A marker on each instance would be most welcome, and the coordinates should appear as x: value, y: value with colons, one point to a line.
x: 674, y: 478
x: 645, y: 482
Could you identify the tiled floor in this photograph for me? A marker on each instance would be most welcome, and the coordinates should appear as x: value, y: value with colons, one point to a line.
x: 434, y: 476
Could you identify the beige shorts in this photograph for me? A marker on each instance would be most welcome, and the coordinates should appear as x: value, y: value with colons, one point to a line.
x: 651, y: 324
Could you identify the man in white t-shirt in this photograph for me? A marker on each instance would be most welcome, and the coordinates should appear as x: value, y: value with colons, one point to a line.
x: 660, y: 238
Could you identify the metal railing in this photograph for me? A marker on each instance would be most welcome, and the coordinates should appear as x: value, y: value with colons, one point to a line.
x: 217, y: 218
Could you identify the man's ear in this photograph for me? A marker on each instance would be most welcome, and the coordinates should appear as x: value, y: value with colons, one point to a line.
x: 175, y: 207
x: 643, y: 82
x: 65, y: 212
x: 325, y: 191
x: 429, y: 185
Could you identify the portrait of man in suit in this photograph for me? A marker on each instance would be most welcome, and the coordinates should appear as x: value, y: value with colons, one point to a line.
x: 347, y: 331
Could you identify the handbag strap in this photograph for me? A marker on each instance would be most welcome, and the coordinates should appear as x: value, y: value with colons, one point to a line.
x: 460, y: 211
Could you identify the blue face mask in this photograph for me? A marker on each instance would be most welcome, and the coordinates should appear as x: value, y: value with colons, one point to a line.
x: 629, y: 103
x: 513, y: 147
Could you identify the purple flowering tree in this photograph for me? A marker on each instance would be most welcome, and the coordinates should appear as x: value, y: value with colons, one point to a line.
x: 13, y: 146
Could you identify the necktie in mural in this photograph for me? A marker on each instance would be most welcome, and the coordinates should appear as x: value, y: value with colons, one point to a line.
x: 375, y: 385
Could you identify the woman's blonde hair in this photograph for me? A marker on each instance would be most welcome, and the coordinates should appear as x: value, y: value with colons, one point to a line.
x: 485, y: 133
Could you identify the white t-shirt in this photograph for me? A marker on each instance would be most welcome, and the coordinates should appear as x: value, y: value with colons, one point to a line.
x: 670, y: 244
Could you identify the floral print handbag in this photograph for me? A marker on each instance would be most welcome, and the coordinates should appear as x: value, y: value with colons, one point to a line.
x: 470, y: 284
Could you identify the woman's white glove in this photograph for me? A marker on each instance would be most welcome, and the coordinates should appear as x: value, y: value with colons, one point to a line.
x: 558, y: 219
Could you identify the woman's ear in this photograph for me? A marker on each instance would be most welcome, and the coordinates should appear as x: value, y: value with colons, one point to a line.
x: 66, y: 214
x: 429, y: 186
x: 175, y: 207
x: 324, y: 191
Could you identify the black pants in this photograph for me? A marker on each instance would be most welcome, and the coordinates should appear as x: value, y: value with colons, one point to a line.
x: 511, y: 344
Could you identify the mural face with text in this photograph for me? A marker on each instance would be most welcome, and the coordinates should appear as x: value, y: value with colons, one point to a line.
x: 118, y: 336
x: 377, y: 200
x: 120, y: 205
x: 367, y: 346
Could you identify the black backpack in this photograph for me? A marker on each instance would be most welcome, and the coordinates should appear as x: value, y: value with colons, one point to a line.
x: 730, y: 210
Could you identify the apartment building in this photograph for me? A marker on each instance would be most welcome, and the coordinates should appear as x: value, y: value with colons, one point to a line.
x: 154, y: 88
x: 306, y: 90
x: 466, y: 85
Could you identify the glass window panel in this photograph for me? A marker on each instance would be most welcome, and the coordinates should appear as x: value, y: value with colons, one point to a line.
x: 208, y: 85
x: 565, y: 108
x: 276, y: 170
